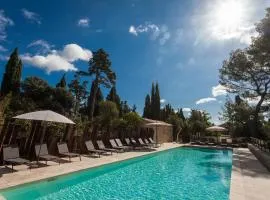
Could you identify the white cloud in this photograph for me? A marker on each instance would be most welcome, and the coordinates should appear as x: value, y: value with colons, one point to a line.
x: 46, y: 47
x: 84, y: 22
x: 4, y: 22
x: 219, y: 90
x: 191, y: 61
x: 166, y: 36
x: 2, y: 48
x: 186, y: 109
x: 59, y: 60
x: 205, y: 100
x: 162, y: 100
x: 132, y: 30
x: 228, y: 20
x: 255, y: 100
x: 33, y: 17
x: 73, y: 52
x: 144, y: 28
x: 156, y: 32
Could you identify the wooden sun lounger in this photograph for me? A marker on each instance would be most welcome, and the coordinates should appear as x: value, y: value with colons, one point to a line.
x: 42, y: 152
x: 120, y: 144
x: 11, y: 155
x: 63, y: 150
x: 91, y: 148
x: 142, y: 143
x: 147, y: 142
x: 101, y: 146
x: 115, y: 146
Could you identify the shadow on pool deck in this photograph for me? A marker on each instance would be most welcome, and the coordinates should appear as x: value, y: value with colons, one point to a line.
x: 249, y: 165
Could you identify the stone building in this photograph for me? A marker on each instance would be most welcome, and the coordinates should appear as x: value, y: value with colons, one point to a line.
x: 160, y: 131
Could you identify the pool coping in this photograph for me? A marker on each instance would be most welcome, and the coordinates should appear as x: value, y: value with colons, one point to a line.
x: 237, y: 182
x: 14, y: 185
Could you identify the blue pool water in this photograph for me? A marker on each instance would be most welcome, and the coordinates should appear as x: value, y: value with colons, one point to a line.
x: 182, y: 173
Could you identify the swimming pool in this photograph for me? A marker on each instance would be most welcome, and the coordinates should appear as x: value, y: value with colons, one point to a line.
x: 181, y: 173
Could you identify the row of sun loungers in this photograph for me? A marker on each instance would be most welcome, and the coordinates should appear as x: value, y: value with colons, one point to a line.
x: 212, y: 142
x: 11, y: 154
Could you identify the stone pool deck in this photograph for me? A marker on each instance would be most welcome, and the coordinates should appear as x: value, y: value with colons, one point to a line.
x: 24, y: 175
x: 250, y: 180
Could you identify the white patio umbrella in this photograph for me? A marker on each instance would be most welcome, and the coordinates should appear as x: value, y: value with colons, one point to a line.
x: 216, y: 129
x: 47, y: 116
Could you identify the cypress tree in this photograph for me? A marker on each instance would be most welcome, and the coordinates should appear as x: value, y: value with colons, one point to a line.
x: 157, y: 103
x: 62, y: 82
x: 181, y: 114
x: 153, y: 102
x: 114, y: 97
x: 147, y: 107
x: 12, y: 76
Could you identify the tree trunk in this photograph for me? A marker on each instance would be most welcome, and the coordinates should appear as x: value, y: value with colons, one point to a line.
x: 256, y: 115
x: 93, y: 100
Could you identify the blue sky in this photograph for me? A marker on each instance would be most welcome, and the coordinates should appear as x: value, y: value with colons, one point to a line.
x: 180, y: 44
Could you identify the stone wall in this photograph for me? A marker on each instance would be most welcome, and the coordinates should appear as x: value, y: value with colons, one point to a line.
x: 263, y: 157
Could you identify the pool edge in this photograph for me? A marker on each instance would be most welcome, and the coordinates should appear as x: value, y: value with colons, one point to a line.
x: 81, y: 170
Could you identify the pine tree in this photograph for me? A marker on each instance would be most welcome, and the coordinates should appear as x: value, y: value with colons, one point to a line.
x: 12, y: 76
x: 62, y: 82
x: 147, y: 107
x: 99, y: 97
x: 100, y: 68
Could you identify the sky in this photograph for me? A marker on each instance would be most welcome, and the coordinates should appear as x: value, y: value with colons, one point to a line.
x: 180, y: 44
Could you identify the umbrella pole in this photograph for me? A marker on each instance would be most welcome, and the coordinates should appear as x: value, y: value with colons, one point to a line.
x: 41, y: 140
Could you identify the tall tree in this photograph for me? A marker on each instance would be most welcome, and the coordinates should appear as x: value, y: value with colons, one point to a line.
x: 62, y: 83
x: 114, y: 97
x: 157, y: 103
x: 147, y: 107
x: 12, y: 76
x: 100, y: 68
x: 153, y: 92
x: 79, y: 91
x: 99, y: 98
x: 247, y: 71
x: 237, y: 115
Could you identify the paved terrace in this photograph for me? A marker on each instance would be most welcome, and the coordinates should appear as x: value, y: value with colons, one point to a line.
x: 24, y: 175
x: 250, y: 179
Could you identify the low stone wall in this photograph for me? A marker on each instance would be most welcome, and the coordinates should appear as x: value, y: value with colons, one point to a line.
x: 263, y: 157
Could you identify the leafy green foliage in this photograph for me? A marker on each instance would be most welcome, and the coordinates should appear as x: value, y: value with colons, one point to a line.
x: 152, y: 105
x: 100, y: 68
x: 247, y: 71
x: 62, y: 82
x: 12, y: 75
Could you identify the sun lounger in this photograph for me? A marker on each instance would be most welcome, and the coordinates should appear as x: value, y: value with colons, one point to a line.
x: 115, y: 146
x: 101, y: 146
x: 11, y: 155
x: 63, y: 150
x: 153, y: 142
x: 42, y: 152
x: 91, y: 148
x: 147, y: 142
x: 120, y: 144
x: 142, y: 143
